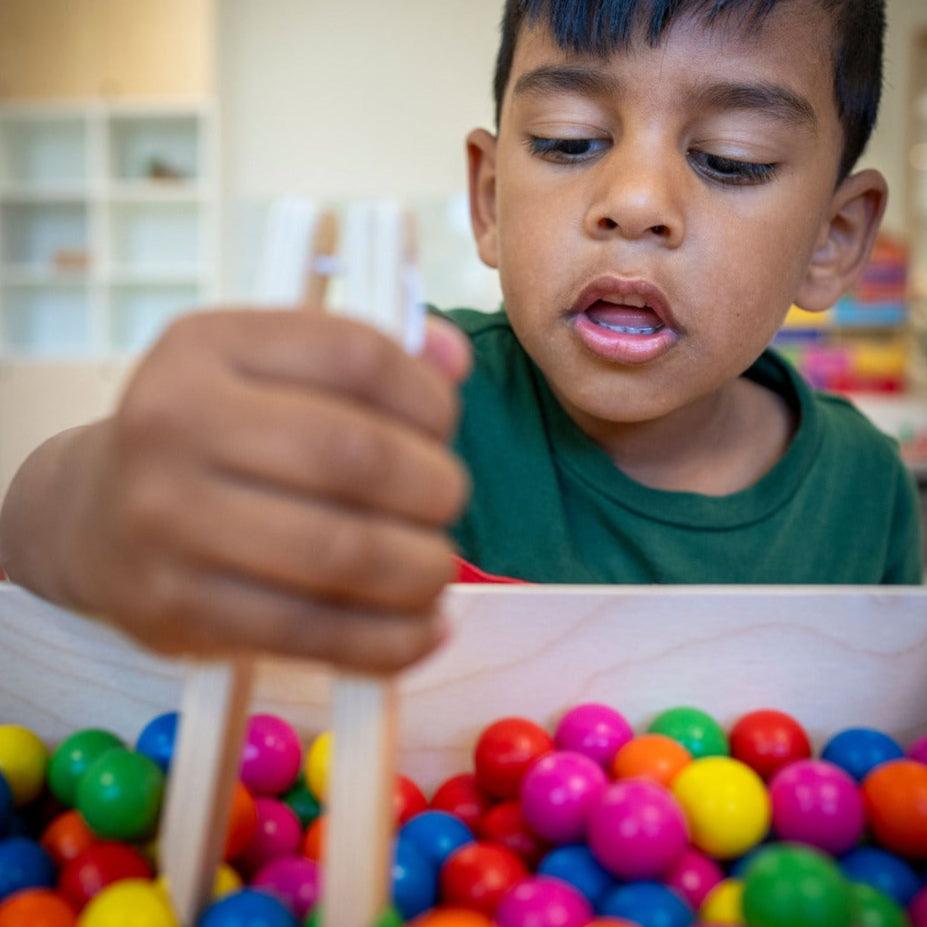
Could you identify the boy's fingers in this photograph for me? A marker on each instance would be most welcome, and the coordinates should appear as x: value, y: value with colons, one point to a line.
x: 325, y: 446
x: 312, y: 548
x: 335, y: 354
x: 448, y: 349
x: 253, y: 615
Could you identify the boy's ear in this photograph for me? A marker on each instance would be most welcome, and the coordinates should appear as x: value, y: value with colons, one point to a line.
x: 481, y: 159
x: 845, y: 240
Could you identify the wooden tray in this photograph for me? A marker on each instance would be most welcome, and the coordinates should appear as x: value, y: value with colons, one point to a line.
x: 833, y: 656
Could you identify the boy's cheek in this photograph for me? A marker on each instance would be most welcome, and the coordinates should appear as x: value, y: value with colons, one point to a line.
x: 731, y: 280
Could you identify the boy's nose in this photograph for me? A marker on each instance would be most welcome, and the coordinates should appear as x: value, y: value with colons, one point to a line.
x: 636, y: 202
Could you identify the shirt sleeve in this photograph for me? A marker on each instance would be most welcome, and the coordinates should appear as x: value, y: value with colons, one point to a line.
x: 904, y: 563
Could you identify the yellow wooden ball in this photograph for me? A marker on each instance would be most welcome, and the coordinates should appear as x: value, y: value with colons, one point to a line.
x: 318, y: 765
x: 724, y: 903
x: 23, y: 761
x: 726, y: 805
x: 129, y: 903
x: 226, y: 881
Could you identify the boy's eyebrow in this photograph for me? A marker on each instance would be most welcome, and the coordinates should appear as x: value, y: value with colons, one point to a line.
x: 551, y: 79
x: 771, y: 99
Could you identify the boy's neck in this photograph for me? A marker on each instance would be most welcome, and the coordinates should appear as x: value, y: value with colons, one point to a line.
x: 716, y: 446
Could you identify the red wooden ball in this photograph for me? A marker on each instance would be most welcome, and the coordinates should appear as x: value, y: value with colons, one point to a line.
x: 462, y: 797
x: 98, y: 866
x: 408, y: 800
x: 477, y: 876
x: 504, y: 824
x: 768, y: 740
x: 505, y: 751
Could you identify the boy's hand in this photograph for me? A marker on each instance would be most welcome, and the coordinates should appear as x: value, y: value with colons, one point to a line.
x: 273, y: 479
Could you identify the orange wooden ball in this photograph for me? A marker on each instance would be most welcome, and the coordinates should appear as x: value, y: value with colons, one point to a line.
x: 314, y: 841
x: 895, y: 794
x: 451, y: 917
x: 66, y: 837
x: 36, y: 908
x: 651, y: 756
x: 243, y: 823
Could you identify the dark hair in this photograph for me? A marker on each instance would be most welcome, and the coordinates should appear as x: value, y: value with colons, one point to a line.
x: 604, y: 26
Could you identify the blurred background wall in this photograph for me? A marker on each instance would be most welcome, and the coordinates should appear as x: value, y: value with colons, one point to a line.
x: 360, y: 97
x: 256, y: 100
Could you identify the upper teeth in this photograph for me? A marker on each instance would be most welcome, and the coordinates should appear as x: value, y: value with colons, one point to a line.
x: 632, y: 299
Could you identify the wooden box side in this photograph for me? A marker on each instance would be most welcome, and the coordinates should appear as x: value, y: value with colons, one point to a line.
x: 834, y: 657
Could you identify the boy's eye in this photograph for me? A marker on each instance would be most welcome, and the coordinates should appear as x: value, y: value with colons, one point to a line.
x: 729, y: 171
x: 566, y: 150
x: 721, y: 170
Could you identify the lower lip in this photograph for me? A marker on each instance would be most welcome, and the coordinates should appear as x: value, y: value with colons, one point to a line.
x: 622, y: 347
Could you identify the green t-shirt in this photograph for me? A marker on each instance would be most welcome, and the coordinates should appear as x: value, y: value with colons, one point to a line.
x: 549, y: 505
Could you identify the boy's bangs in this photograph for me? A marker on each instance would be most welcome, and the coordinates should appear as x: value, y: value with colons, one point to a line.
x: 602, y: 27
x: 610, y: 25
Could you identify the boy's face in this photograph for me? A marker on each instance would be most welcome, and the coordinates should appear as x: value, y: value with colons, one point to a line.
x: 645, y: 172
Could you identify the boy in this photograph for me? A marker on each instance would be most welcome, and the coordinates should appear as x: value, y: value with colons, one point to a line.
x: 667, y: 178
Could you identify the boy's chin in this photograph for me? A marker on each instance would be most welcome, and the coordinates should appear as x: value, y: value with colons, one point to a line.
x: 624, y: 406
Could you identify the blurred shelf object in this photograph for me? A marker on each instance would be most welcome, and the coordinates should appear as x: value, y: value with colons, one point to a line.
x: 916, y: 139
x: 866, y: 348
x: 105, y: 208
x: 863, y: 344
x: 905, y: 419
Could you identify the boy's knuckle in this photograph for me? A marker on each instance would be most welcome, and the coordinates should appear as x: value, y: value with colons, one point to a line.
x: 401, y: 644
x: 133, y: 416
x: 369, y: 359
x: 139, y: 514
x: 418, y: 590
x: 455, y: 490
x: 358, y: 456
x: 181, y: 332
x: 441, y: 568
x: 147, y: 511
x: 148, y: 411
x: 196, y: 327
x: 182, y: 354
x: 446, y: 410
x: 164, y: 597
x: 343, y: 554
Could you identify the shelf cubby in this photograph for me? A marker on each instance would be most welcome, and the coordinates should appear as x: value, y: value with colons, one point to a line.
x: 34, y: 233
x: 106, y: 214
x: 152, y: 236
x: 47, y: 321
x: 39, y: 152
x: 153, y: 147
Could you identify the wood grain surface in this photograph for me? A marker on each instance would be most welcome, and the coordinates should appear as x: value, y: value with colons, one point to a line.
x: 833, y: 656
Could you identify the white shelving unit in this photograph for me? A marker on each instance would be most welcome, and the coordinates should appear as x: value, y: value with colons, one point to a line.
x: 108, y: 224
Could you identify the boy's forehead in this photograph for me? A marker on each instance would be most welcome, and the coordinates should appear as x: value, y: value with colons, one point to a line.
x: 791, y: 47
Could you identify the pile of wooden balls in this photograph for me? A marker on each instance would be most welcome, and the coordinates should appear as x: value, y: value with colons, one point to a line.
x: 682, y: 824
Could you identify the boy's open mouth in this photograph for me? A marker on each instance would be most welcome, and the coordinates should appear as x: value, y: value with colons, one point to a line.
x: 625, y: 318
x: 625, y: 321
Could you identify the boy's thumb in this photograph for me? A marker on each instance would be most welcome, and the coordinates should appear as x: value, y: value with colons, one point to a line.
x: 448, y: 348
